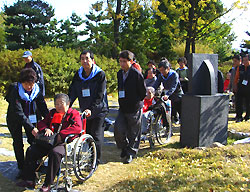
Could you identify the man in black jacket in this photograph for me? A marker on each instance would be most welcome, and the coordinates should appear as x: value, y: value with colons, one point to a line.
x: 132, y: 91
x: 243, y: 90
x: 30, y: 63
x: 89, y: 87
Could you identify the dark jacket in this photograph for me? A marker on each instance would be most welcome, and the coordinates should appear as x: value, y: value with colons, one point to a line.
x: 15, y: 112
x: 96, y: 102
x: 39, y: 74
x: 171, y: 85
x: 135, y: 91
x: 72, y: 123
x: 244, y: 74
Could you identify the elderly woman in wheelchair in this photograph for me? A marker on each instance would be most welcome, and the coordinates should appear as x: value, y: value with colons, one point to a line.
x: 69, y: 121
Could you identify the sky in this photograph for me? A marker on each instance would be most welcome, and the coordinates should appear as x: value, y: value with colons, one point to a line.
x: 64, y: 8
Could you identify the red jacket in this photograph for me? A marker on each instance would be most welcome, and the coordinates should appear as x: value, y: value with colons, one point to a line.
x: 136, y: 66
x: 226, y: 84
x: 147, y: 104
x: 68, y: 128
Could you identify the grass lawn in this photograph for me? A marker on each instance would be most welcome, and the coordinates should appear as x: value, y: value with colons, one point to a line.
x: 165, y: 168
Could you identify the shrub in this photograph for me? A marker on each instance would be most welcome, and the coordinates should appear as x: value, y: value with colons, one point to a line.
x: 225, y: 67
x: 58, y: 66
x: 179, y: 49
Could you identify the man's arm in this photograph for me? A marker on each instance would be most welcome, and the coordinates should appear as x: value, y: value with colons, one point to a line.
x: 141, y: 86
x: 157, y: 82
x: 173, y: 82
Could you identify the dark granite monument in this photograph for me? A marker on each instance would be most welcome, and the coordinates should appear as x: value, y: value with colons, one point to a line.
x: 204, y: 118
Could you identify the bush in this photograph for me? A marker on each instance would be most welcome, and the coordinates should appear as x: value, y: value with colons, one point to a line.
x: 179, y: 49
x: 58, y: 66
x: 225, y: 67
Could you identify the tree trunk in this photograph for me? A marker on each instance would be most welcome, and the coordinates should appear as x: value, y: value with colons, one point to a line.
x: 187, y: 48
x: 193, y: 45
x: 117, y: 21
x: 190, y: 27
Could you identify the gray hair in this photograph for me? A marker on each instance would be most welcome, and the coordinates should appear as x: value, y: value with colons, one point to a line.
x: 62, y: 96
x: 151, y: 89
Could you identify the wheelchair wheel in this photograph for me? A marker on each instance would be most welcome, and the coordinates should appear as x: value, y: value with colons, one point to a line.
x: 163, y: 133
x: 151, y: 135
x: 151, y: 142
x: 68, y: 183
x: 85, y: 157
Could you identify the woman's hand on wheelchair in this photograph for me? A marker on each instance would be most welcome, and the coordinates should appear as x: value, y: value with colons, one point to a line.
x: 48, y: 132
x: 164, y: 97
x: 87, y: 113
x: 35, y: 132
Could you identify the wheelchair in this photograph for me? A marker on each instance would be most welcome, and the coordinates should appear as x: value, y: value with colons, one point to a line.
x: 80, y: 160
x: 159, y: 125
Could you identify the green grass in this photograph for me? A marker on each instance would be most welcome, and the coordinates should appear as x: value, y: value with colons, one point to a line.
x: 190, y: 170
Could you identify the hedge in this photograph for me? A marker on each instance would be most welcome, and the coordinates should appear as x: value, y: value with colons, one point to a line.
x: 58, y: 66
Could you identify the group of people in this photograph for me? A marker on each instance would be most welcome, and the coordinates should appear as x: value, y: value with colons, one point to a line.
x: 175, y: 83
x: 237, y: 82
x: 27, y: 107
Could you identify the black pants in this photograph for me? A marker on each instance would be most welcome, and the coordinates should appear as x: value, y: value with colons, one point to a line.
x: 184, y: 86
x: 96, y: 130
x: 128, y: 131
x: 242, y: 97
x: 17, y: 136
x: 176, y: 108
x: 35, y: 153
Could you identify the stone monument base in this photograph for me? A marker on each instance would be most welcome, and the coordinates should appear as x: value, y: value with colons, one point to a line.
x: 204, y: 120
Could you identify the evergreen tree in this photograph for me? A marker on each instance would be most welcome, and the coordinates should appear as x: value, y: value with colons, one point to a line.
x: 27, y: 24
x: 67, y: 36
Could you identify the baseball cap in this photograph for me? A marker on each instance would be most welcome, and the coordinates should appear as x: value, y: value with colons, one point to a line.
x: 27, y: 54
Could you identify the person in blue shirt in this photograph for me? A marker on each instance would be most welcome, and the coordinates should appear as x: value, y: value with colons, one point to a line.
x: 171, y: 83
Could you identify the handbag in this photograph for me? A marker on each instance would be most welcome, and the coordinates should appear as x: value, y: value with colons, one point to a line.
x: 49, y: 142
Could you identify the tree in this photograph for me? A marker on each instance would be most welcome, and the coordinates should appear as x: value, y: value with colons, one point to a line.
x: 2, y: 32
x: 193, y: 18
x: 67, y: 36
x: 246, y: 44
x: 100, y: 30
x: 117, y: 25
x: 138, y: 33
x: 220, y: 40
x: 27, y: 24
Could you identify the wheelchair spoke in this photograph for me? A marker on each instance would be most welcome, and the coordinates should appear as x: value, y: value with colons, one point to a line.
x: 85, y: 158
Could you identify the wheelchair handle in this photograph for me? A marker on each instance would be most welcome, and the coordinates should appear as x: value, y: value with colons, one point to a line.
x: 83, y: 116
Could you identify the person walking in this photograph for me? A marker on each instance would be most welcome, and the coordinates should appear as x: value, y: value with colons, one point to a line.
x: 242, y: 77
x: 89, y: 86
x: 132, y: 91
